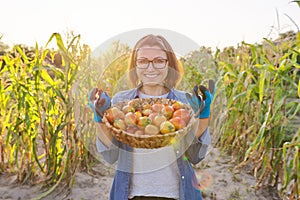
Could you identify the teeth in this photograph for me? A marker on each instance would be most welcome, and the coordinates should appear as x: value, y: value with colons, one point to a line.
x: 150, y: 75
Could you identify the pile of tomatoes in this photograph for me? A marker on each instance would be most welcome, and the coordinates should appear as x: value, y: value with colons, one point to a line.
x: 143, y: 118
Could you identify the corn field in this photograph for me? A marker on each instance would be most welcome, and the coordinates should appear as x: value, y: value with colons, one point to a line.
x: 42, y: 114
x: 47, y: 130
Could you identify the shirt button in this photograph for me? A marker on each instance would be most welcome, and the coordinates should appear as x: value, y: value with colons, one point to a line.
x: 182, y: 177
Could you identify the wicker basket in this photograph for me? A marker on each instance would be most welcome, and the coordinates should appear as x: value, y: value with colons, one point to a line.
x: 150, y: 141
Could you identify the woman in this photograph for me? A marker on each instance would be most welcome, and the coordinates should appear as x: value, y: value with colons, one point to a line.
x: 164, y: 173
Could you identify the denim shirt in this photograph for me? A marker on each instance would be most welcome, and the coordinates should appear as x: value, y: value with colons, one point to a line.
x: 189, y: 150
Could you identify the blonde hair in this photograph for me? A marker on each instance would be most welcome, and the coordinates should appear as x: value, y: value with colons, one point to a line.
x: 175, y: 68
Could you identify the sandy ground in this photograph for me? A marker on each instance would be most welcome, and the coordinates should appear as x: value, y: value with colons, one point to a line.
x: 220, y: 181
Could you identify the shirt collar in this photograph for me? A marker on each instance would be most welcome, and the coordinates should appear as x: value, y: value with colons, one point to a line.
x: 135, y: 93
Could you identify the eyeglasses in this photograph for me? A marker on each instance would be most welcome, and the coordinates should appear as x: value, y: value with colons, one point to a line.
x: 157, y: 63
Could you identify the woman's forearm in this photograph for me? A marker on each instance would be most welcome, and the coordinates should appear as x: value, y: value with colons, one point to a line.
x: 104, y: 134
x: 202, y: 126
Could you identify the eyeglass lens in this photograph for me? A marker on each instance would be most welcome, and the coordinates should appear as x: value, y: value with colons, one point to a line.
x: 157, y: 63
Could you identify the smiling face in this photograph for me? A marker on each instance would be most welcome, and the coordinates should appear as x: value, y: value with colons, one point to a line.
x: 152, y: 76
x: 154, y: 49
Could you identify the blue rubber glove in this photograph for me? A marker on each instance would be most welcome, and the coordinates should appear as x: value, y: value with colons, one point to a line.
x: 201, y: 102
x: 99, y: 102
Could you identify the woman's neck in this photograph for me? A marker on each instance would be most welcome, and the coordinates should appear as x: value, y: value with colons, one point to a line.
x: 155, y: 90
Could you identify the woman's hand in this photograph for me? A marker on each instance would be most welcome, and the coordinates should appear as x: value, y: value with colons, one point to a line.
x: 201, y: 99
x: 99, y: 102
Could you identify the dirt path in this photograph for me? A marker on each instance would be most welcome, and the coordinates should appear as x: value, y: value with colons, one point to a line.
x: 220, y: 181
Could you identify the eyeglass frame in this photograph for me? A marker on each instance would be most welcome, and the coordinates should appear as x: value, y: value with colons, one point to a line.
x: 153, y: 64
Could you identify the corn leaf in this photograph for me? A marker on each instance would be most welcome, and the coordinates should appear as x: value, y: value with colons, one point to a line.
x: 299, y: 88
x: 261, y: 85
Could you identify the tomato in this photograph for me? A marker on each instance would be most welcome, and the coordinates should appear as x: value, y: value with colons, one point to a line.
x: 131, y: 129
x: 156, y: 107
x: 138, y: 114
x: 146, y: 112
x: 159, y: 119
x: 167, y: 110
x: 128, y: 108
x: 177, y: 105
x: 183, y: 114
x: 167, y: 127
x: 120, y: 124
x: 114, y: 113
x: 178, y: 122
x: 144, y: 121
x: 146, y: 106
x: 130, y: 118
x: 135, y: 104
x: 153, y: 115
x: 151, y: 130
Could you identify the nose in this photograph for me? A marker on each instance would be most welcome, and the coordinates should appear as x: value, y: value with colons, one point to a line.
x: 150, y: 64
